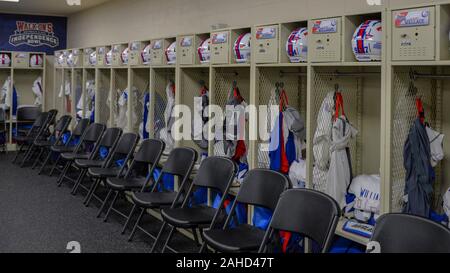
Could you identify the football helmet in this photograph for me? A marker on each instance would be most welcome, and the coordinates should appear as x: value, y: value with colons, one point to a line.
x: 108, y: 58
x: 242, y: 48
x: 146, y: 54
x: 297, y: 45
x: 124, y: 55
x: 171, y: 53
x: 366, y: 41
x: 36, y: 60
x: 5, y: 60
x: 204, y: 51
x: 93, y: 58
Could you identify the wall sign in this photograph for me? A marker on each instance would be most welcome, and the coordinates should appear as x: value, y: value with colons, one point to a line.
x: 32, y: 33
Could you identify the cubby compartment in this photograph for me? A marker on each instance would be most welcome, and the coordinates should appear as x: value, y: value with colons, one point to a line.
x: 119, y: 83
x: 266, y: 43
x: 77, y: 94
x: 23, y: 82
x: 5, y: 59
x: 430, y: 84
x: 444, y: 32
x: 135, y: 54
x: 103, y: 85
x: 325, y: 44
x: 89, y: 61
x: 187, y: 45
x: 224, y: 81
x: 66, y: 92
x: 270, y: 82
x: 139, y: 83
x: 370, y: 29
x: 89, y: 92
x: 162, y: 82
x: 361, y: 91
x: 193, y: 83
x: 240, y: 45
x: 293, y: 30
x: 170, y: 50
x: 58, y: 85
x: 5, y: 82
x: 414, y: 34
x: 202, y: 56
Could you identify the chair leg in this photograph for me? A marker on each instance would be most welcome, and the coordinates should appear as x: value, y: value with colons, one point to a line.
x: 18, y: 152
x: 133, y: 209
x: 172, y: 231
x: 203, y: 248
x: 63, y: 173
x: 158, y: 237
x: 47, y: 159
x: 102, y: 207
x: 28, y: 154
x: 55, y: 165
x: 36, y: 161
x: 92, y: 193
x: 130, y: 238
x: 78, y: 182
x: 111, y: 207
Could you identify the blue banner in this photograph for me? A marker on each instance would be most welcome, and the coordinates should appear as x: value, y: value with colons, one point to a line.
x: 32, y: 33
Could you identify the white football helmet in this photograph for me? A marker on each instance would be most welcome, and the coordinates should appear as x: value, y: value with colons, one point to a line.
x: 297, y: 45
x: 242, y: 48
x: 71, y: 59
x: 36, y: 60
x: 124, y: 55
x: 171, y: 53
x: 146, y: 54
x: 366, y: 41
x: 5, y: 60
x: 93, y: 58
x: 204, y: 51
x: 108, y: 58
x: 60, y: 59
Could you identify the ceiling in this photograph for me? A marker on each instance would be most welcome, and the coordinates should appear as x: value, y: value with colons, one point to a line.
x: 47, y: 7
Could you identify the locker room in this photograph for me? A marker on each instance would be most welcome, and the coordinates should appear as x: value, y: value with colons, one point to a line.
x: 204, y: 126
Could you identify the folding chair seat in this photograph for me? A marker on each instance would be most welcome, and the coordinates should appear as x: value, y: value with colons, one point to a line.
x: 58, y: 148
x: 108, y: 141
x: 180, y: 164
x: 86, y: 149
x: 262, y: 188
x: 216, y: 174
x: 311, y: 214
x: 122, y: 151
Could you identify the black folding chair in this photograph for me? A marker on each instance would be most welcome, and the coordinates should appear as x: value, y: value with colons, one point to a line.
x: 180, y: 163
x: 108, y: 141
x: 86, y: 149
x: 37, y: 130
x: 57, y: 149
x: 138, y: 176
x: 123, y: 151
x: 43, y: 145
x: 311, y: 214
x: 216, y: 174
x: 404, y: 233
x: 3, y: 131
x: 262, y: 188
x: 26, y: 115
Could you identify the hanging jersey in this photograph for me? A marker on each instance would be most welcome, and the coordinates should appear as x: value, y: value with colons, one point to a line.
x: 436, y: 146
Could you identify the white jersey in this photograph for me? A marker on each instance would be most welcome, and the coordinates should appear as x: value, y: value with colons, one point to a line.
x: 366, y: 189
x: 436, y: 146
x: 447, y: 204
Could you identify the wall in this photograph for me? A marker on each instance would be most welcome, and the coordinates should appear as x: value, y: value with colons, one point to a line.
x: 121, y: 20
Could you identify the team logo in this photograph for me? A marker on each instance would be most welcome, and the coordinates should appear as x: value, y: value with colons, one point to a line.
x: 412, y: 18
x: 325, y: 26
x: 34, y: 34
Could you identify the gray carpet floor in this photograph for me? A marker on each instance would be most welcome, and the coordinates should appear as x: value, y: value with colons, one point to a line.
x: 38, y: 217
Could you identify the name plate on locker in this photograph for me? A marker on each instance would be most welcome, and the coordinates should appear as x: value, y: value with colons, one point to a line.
x: 220, y: 48
x: 157, y: 52
x: 414, y: 34
x: 21, y: 59
x: 266, y: 44
x: 325, y: 26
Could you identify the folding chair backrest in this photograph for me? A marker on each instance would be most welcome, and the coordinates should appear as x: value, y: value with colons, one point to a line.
x: 39, y: 124
x: 52, y: 117
x: 91, y: 135
x: 404, y: 233
x: 28, y: 113
x: 63, y: 123
x: 216, y: 173
x: 150, y: 151
x: 125, y: 148
x: 310, y: 213
x: 263, y: 187
x: 81, y: 127
x: 110, y: 137
x: 180, y: 162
